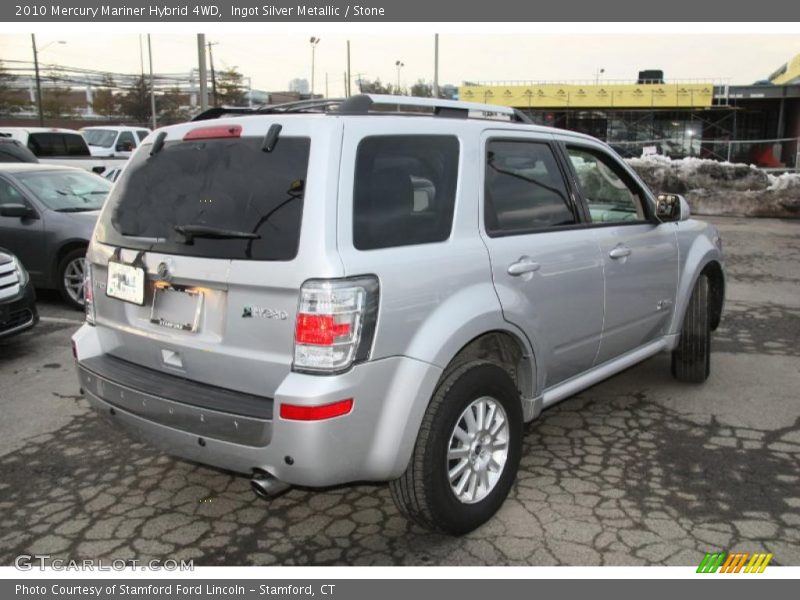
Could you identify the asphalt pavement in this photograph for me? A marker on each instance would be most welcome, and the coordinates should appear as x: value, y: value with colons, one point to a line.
x: 638, y: 470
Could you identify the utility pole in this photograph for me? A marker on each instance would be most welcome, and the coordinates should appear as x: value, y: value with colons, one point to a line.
x: 38, y: 81
x: 313, y: 41
x: 201, y: 60
x: 436, y: 65
x: 347, y: 75
x: 152, y: 86
x: 141, y: 56
x: 213, y: 75
x: 346, y: 85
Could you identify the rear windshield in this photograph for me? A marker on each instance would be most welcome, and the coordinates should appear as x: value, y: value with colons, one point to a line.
x: 222, y: 190
x: 57, y: 144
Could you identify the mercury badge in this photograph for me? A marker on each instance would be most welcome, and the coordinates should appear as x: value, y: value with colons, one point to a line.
x: 163, y: 271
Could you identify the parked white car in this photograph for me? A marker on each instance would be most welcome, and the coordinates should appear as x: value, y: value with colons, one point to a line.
x: 118, y: 141
x: 57, y: 146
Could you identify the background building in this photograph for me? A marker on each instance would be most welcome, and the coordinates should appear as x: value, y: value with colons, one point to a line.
x: 757, y: 123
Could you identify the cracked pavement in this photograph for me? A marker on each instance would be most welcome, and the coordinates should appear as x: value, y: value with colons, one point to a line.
x: 638, y: 470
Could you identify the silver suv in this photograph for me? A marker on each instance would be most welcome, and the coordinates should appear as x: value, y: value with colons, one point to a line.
x: 383, y: 289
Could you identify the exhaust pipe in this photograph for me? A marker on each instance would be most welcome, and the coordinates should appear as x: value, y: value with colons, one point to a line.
x: 266, y: 486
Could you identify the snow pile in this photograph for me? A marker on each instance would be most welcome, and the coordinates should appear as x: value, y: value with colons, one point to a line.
x: 722, y: 188
x: 686, y: 174
x: 786, y: 181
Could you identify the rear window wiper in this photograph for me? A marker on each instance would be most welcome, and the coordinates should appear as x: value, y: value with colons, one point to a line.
x: 189, y: 232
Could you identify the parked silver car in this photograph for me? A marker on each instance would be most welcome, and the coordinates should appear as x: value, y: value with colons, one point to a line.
x: 47, y: 214
x: 320, y: 293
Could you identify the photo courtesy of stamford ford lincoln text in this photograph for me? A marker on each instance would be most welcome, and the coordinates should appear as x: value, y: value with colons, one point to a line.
x: 288, y: 287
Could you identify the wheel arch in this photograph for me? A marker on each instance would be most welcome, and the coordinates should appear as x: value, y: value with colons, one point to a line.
x: 703, y: 258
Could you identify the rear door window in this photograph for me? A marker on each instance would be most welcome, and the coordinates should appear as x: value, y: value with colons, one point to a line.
x: 405, y: 189
x: 228, y: 186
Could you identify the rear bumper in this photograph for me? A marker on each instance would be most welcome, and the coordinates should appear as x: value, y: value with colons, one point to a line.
x: 19, y: 313
x: 373, y: 442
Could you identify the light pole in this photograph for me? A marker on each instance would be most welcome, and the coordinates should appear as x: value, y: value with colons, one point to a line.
x: 313, y: 41
x: 38, y: 79
x: 399, y: 65
x: 597, y: 75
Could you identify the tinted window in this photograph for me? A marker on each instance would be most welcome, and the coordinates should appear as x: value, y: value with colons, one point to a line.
x: 525, y: 189
x: 142, y: 134
x: 405, y: 189
x: 57, y: 144
x: 610, y: 194
x: 221, y: 184
x: 126, y: 141
x: 75, y: 145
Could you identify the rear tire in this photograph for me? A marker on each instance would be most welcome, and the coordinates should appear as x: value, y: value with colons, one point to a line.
x: 691, y: 360
x: 70, y: 274
x: 477, y: 397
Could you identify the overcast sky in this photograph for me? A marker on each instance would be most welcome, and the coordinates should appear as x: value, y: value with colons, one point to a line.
x: 271, y: 60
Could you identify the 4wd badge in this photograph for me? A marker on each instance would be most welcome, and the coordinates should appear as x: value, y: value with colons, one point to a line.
x: 259, y: 312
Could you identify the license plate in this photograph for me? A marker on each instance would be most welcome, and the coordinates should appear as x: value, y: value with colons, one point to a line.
x: 176, y: 308
x: 125, y: 282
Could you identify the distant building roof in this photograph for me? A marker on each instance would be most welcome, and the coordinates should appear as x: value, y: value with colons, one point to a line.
x: 788, y: 73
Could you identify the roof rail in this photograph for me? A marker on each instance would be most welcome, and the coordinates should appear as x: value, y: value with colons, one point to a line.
x: 363, y: 104
x: 445, y: 108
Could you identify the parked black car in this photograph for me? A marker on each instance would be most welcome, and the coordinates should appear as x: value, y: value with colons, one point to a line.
x: 17, y: 297
x: 14, y: 152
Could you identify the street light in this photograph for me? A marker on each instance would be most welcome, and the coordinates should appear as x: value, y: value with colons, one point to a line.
x: 597, y: 75
x: 38, y: 79
x: 314, y: 41
x: 399, y: 66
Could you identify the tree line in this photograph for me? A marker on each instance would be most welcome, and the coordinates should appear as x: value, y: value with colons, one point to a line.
x: 111, y: 99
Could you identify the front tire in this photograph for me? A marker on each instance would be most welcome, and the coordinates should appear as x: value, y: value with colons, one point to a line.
x: 691, y: 360
x: 70, y: 273
x: 467, y: 452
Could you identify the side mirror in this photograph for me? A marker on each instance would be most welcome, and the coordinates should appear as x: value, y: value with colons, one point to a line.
x: 671, y: 208
x: 20, y: 211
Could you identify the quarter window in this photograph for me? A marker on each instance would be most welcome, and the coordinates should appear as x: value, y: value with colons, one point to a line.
x: 404, y: 191
x: 610, y: 194
x: 524, y: 189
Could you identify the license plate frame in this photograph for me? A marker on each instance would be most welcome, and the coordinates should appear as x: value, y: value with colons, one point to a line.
x: 118, y: 285
x: 173, y: 323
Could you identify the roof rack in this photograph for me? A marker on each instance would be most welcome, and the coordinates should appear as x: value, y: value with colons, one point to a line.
x: 364, y: 104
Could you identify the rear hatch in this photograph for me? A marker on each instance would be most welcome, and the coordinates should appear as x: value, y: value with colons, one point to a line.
x: 216, y: 223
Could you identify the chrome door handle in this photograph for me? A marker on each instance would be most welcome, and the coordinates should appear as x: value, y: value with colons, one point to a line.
x: 620, y: 252
x: 522, y: 266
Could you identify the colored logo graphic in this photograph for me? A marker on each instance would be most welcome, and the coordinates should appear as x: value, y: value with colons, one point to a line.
x: 734, y: 562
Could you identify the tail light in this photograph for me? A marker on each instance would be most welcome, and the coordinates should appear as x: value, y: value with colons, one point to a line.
x: 88, y: 293
x: 335, y: 324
